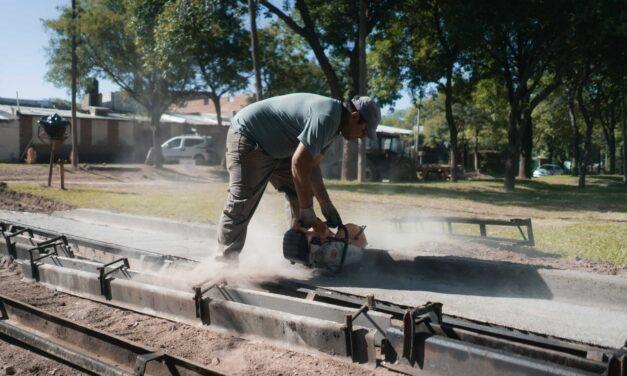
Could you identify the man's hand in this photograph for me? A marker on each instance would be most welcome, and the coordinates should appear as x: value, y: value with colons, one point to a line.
x: 330, y: 213
x: 307, y: 217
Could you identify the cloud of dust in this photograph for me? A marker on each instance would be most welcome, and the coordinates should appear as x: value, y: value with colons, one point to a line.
x: 406, y: 240
x: 260, y: 260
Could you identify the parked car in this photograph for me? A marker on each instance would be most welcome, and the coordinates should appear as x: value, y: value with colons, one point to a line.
x: 547, y: 169
x: 196, y: 147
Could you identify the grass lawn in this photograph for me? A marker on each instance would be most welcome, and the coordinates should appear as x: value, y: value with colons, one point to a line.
x: 589, y: 223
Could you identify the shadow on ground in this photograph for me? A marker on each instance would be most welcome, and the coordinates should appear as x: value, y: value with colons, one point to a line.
x: 439, y: 274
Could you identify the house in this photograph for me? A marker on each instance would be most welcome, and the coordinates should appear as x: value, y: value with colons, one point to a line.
x: 103, y: 135
x: 229, y: 105
x: 9, y: 132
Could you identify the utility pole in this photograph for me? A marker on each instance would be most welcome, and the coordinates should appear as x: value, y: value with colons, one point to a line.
x: 254, y: 42
x: 363, y: 84
x: 74, y: 155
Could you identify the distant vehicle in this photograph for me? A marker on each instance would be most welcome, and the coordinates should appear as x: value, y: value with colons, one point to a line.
x: 547, y: 169
x: 389, y: 158
x: 196, y: 147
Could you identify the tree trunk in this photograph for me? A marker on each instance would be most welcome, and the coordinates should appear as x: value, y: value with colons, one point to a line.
x: 512, y: 152
x: 611, y: 149
x: 607, y: 118
x: 572, y: 115
x: 476, y: 152
x: 526, y: 145
x: 361, y: 150
x: 345, y: 175
x: 254, y: 42
x: 155, y: 118
x: 624, y: 123
x: 74, y: 153
x: 583, y: 169
x: 450, y: 120
x: 216, y: 103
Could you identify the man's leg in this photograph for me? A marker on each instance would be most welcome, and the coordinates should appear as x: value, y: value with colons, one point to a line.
x: 283, y: 181
x: 249, y: 170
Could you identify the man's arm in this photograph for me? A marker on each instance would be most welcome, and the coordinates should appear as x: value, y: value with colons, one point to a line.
x: 302, y: 170
x: 317, y: 184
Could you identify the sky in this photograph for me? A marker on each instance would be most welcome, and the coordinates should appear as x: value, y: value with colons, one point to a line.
x: 22, y: 42
x: 23, y: 59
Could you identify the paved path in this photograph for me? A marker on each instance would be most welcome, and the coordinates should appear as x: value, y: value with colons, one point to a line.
x: 575, y: 305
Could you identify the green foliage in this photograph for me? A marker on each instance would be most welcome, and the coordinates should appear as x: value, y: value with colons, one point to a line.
x: 59, y: 53
x: 335, y: 25
x: 552, y: 135
x: 287, y: 65
x: 385, y: 71
x: 117, y: 40
x: 209, y: 35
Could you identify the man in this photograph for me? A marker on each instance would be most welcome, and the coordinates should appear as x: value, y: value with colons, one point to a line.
x: 282, y: 140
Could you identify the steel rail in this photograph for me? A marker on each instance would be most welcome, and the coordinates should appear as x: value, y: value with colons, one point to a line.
x: 332, y: 321
x: 84, y: 348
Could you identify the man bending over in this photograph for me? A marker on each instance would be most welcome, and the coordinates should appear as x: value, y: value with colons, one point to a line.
x: 282, y: 140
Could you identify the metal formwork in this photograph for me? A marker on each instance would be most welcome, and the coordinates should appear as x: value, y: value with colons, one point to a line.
x: 411, y: 340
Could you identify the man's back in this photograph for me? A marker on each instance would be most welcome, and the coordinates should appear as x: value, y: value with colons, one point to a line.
x: 278, y: 124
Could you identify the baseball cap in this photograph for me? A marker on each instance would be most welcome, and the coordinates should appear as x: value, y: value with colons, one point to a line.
x: 369, y: 112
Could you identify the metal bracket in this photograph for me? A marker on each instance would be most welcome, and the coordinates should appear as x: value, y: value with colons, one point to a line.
x: 348, y: 325
x: 42, y: 254
x: 103, y: 273
x: 199, y: 293
x: 429, y: 313
x: 617, y: 364
x: 142, y: 361
x: 7, y: 233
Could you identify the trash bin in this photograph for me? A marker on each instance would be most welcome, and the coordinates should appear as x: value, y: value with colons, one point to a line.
x: 54, y: 125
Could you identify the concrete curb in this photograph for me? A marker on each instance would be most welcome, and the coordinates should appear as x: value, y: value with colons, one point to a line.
x: 110, y: 218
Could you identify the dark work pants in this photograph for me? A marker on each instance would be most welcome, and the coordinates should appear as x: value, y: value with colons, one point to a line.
x: 250, y: 169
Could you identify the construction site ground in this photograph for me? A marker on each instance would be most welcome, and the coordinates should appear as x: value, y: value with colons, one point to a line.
x: 197, y: 193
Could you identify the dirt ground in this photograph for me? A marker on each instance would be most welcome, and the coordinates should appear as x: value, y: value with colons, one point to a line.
x: 105, y: 174
x: 11, y: 200
x: 221, y: 351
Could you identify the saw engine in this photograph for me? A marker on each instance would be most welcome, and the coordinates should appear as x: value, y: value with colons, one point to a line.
x: 323, y: 249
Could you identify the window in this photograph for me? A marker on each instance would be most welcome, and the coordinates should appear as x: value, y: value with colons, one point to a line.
x: 173, y: 143
x: 193, y: 141
x: 205, y: 101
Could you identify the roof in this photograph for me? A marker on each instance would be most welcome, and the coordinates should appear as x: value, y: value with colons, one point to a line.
x: 204, y: 119
x: 7, y: 116
x: 392, y: 130
x: 6, y: 111
x: 40, y: 111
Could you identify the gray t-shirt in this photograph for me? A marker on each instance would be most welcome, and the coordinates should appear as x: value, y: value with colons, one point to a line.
x: 278, y: 124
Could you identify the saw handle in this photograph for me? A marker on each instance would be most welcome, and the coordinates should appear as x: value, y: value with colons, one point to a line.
x: 345, y: 251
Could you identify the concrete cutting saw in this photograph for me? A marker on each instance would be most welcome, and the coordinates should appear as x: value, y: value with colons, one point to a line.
x: 322, y: 249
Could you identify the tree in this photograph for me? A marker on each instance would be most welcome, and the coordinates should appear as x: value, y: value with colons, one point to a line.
x: 606, y: 108
x: 210, y: 35
x: 254, y: 47
x: 596, y: 67
x: 288, y: 66
x: 525, y: 44
x: 331, y: 30
x: 435, y: 54
x: 59, y: 51
x: 118, y: 42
